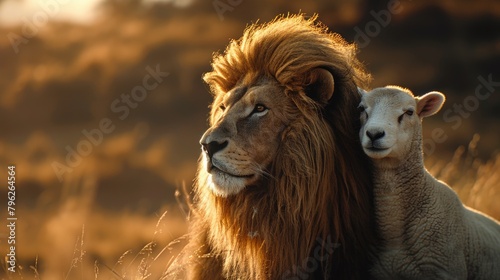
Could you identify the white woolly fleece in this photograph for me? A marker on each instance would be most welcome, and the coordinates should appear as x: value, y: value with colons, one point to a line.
x: 427, y: 232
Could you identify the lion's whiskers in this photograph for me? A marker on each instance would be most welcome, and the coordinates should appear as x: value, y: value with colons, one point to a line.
x: 260, y: 170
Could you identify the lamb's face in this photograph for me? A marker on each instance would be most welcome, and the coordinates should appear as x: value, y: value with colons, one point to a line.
x: 391, y: 121
x: 388, y: 122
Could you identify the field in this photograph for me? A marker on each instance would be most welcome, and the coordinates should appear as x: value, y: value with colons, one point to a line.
x: 102, y: 119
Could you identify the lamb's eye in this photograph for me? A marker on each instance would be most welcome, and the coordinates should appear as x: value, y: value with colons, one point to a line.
x: 400, y: 118
x: 362, y: 111
x: 408, y: 112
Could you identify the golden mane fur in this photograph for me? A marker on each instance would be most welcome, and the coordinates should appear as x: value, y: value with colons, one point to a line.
x: 319, y: 186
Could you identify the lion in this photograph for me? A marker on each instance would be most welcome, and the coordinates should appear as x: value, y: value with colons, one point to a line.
x: 283, y: 189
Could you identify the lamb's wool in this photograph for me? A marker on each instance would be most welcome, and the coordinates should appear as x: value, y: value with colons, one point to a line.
x: 427, y: 232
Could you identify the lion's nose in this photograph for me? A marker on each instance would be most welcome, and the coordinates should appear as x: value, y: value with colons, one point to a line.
x: 213, y: 147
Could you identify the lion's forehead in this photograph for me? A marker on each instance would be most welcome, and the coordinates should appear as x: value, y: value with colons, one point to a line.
x: 241, y: 100
x: 249, y: 83
x: 234, y: 95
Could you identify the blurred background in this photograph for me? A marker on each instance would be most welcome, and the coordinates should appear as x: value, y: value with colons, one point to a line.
x: 102, y: 105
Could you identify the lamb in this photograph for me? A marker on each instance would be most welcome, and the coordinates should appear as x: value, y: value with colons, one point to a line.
x: 426, y: 232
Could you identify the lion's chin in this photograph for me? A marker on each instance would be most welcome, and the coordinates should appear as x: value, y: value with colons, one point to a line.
x: 223, y: 184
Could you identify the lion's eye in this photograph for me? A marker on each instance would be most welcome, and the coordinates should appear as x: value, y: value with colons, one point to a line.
x: 222, y: 107
x: 259, y: 108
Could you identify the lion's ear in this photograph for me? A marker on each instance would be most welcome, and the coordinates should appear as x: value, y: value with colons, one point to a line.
x: 319, y: 85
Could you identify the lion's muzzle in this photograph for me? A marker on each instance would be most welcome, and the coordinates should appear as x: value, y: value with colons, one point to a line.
x: 213, y: 147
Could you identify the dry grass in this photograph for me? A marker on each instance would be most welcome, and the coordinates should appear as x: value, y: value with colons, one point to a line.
x: 154, y: 260
x: 476, y: 182
x: 64, y: 230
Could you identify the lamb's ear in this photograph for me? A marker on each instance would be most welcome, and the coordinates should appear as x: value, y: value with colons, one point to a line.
x: 429, y: 103
x: 361, y: 92
x: 319, y: 85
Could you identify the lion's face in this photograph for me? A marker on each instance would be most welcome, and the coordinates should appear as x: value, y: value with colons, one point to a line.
x: 246, y: 124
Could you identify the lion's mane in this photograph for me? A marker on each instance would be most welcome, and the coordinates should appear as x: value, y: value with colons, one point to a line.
x: 319, y: 188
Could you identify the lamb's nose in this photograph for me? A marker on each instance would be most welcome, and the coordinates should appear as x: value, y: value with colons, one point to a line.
x: 213, y: 147
x: 375, y: 134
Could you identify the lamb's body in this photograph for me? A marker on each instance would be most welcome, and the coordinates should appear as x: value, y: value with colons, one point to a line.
x: 427, y: 232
